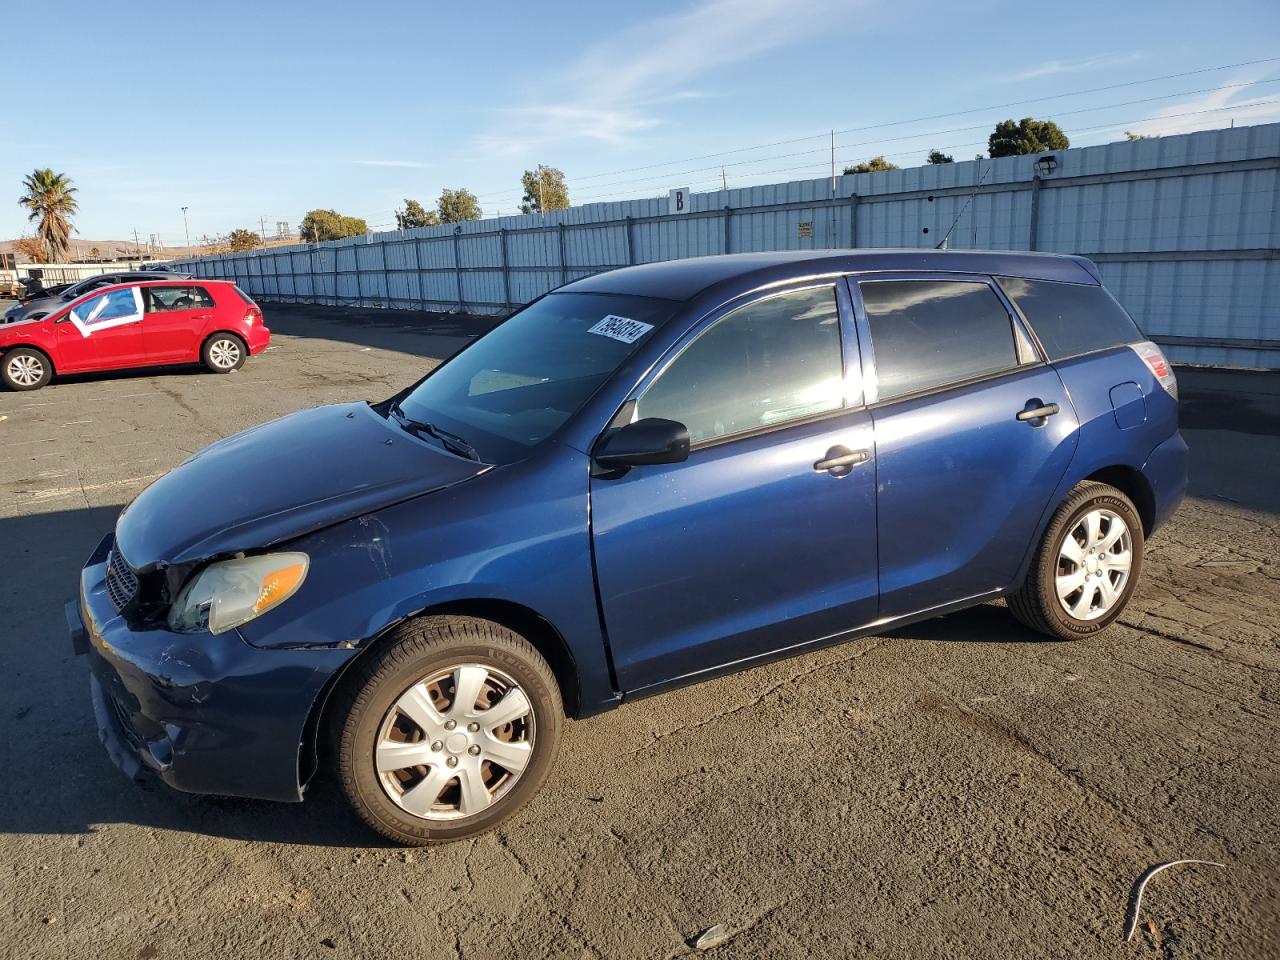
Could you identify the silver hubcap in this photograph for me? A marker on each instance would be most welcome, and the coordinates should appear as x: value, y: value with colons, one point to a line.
x: 455, y: 742
x: 224, y: 354
x: 26, y: 371
x: 1093, y: 564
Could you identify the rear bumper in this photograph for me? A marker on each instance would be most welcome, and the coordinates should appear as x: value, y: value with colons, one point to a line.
x: 207, y: 714
x: 259, y: 339
x: 1166, y: 470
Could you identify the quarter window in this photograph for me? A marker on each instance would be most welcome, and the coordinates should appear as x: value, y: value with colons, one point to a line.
x: 1071, y: 318
x: 767, y: 363
x: 929, y: 333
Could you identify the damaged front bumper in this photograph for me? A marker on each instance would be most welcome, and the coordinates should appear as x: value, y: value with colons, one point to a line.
x: 207, y: 714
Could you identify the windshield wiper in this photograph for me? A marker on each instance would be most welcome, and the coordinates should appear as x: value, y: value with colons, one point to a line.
x: 450, y: 440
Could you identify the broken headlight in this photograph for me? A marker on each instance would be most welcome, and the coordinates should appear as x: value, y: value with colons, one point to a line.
x: 227, y: 594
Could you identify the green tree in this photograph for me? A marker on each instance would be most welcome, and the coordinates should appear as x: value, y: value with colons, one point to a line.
x: 1028, y: 135
x: 544, y: 189
x: 937, y: 156
x: 874, y: 165
x: 1130, y: 135
x: 415, y: 215
x: 242, y: 240
x: 50, y: 198
x: 319, y: 225
x: 457, y: 205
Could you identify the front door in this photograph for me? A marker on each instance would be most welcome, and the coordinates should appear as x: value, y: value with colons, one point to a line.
x: 749, y: 547
x: 103, y: 332
x: 963, y: 473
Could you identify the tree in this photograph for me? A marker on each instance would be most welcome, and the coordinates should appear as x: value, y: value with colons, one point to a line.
x: 1028, y: 135
x: 414, y: 215
x: 95, y: 252
x: 31, y: 248
x: 455, y: 206
x: 874, y: 165
x: 1130, y: 135
x: 319, y: 225
x: 242, y: 240
x: 937, y: 156
x: 50, y: 198
x: 544, y: 189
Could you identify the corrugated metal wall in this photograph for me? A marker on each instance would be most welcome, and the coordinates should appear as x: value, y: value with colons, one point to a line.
x: 1186, y: 230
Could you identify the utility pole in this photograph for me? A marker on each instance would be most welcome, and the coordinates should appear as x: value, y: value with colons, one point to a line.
x: 186, y: 227
x: 724, y: 183
x: 833, y: 163
x: 262, y: 222
x: 137, y: 247
x: 542, y: 203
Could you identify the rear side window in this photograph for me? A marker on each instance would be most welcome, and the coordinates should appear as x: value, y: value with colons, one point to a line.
x: 163, y: 299
x: 243, y: 296
x: 929, y: 333
x: 1071, y: 318
x: 767, y: 363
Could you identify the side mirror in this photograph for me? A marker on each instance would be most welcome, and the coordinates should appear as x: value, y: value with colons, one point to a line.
x: 648, y: 441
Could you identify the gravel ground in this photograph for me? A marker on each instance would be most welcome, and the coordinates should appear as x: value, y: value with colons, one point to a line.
x: 959, y: 788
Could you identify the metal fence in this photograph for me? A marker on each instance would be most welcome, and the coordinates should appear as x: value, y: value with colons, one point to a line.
x: 1185, y: 230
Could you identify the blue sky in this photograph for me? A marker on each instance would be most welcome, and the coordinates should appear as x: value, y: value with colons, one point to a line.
x: 243, y: 111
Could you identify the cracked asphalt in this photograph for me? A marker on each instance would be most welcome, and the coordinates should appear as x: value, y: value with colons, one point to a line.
x: 959, y: 788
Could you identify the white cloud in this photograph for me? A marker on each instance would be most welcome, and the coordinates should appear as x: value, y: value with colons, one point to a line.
x: 1051, y: 68
x: 1217, y: 108
x: 389, y: 163
x: 609, y: 93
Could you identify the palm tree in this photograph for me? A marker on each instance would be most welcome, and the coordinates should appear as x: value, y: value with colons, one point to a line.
x: 50, y: 199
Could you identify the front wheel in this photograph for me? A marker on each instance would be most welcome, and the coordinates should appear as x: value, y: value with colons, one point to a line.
x: 224, y: 352
x: 447, y: 730
x: 25, y: 369
x: 1087, y: 566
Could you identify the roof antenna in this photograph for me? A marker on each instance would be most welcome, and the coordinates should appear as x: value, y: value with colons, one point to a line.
x: 942, y: 244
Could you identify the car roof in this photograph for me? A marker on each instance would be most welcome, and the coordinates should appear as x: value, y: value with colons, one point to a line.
x: 685, y: 279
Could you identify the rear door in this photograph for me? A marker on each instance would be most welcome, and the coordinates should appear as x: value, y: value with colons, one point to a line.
x: 747, y: 548
x: 175, y: 318
x: 964, y: 471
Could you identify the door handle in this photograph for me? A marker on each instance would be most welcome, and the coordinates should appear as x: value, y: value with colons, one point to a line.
x: 1038, y: 413
x: 840, y: 461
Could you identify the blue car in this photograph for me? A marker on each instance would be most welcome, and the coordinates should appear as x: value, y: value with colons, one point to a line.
x: 644, y: 479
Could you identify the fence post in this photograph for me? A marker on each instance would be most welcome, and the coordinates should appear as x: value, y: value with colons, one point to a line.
x: 1033, y: 227
x: 386, y: 274
x: 728, y: 219
x: 564, y: 273
x: 457, y: 266
x: 631, y: 255
x: 335, y: 276
x: 853, y: 220
x: 506, y: 269
x: 417, y: 274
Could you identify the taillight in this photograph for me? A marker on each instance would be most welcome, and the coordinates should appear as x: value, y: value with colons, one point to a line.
x: 1159, y: 366
x: 252, y: 316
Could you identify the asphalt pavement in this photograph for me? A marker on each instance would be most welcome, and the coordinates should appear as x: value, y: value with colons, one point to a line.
x: 960, y: 788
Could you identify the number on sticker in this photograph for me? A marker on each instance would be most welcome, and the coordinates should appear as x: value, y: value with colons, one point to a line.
x: 621, y: 328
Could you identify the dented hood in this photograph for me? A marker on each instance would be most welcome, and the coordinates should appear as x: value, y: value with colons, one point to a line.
x: 280, y: 481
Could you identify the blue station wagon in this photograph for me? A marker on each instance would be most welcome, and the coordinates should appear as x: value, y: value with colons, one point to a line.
x: 645, y: 478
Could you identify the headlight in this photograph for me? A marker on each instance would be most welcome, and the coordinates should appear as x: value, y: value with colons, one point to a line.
x: 225, y: 595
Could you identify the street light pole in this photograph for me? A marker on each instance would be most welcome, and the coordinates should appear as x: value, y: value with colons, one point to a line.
x: 187, y: 229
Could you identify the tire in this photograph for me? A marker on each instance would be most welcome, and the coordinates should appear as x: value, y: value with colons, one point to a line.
x: 421, y: 665
x: 24, y: 368
x: 223, y: 353
x: 1105, y: 582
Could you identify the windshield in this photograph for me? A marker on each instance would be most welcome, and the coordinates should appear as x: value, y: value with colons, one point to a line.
x: 515, y: 386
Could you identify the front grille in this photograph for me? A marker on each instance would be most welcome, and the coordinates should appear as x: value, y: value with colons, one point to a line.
x: 122, y: 582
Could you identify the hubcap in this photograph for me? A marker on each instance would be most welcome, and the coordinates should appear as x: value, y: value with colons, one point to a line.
x: 224, y: 353
x: 1093, y: 564
x: 455, y: 742
x: 26, y: 371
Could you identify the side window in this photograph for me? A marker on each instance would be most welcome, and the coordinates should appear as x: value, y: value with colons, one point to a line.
x: 114, y: 305
x: 162, y: 299
x: 766, y: 363
x: 928, y: 333
x: 1071, y: 318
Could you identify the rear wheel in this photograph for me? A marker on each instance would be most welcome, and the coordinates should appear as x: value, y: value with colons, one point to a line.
x: 25, y: 369
x: 446, y: 730
x: 1087, y: 565
x: 224, y: 352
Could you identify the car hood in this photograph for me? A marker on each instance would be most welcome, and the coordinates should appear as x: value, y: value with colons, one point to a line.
x: 280, y: 481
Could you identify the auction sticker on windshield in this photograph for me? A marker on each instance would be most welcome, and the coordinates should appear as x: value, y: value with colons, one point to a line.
x: 621, y: 328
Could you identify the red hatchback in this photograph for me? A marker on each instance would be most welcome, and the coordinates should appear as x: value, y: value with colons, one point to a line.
x: 135, y: 325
